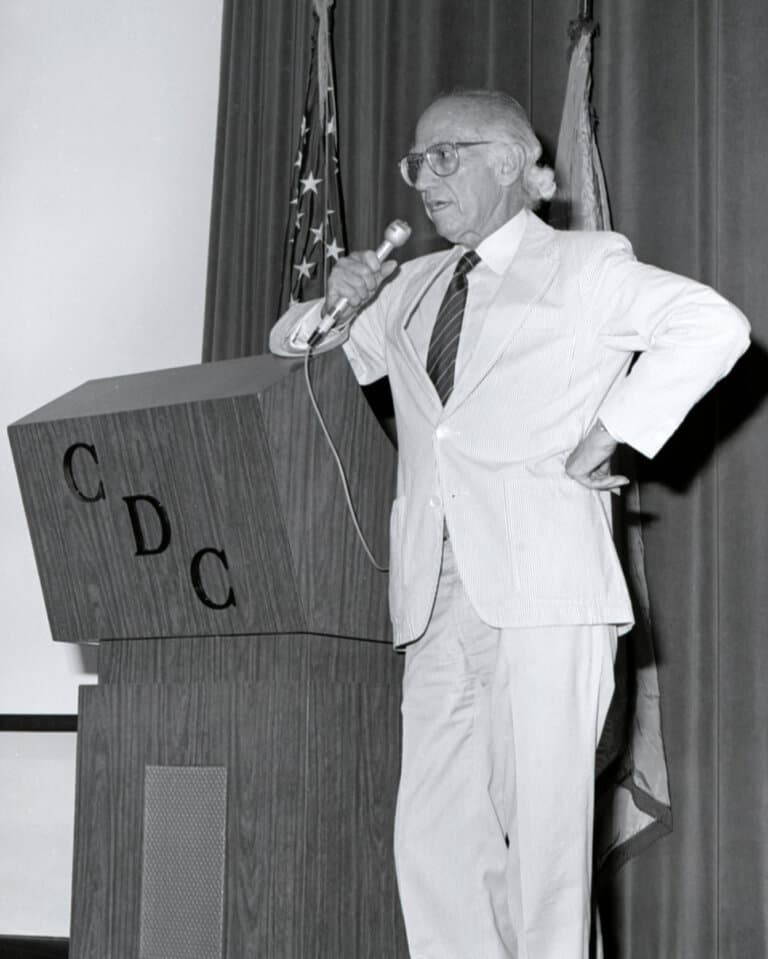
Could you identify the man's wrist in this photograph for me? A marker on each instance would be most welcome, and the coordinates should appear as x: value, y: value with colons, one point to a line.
x: 604, y: 440
x: 602, y: 428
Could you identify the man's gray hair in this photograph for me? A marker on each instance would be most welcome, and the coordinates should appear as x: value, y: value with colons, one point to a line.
x: 505, y: 114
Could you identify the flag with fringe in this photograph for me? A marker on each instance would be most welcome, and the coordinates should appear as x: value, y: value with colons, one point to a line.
x: 632, y: 804
x: 315, y: 233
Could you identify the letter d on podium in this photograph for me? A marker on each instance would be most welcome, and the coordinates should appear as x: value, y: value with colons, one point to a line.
x: 138, y: 530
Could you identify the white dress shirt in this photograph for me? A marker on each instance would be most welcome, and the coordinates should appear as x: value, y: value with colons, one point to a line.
x: 496, y: 253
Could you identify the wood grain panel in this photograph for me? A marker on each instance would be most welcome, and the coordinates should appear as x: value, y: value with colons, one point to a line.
x: 247, y: 474
x: 295, y: 688
x: 350, y: 809
x: 216, y: 484
x: 250, y: 659
x: 267, y: 827
x: 329, y: 560
x: 312, y: 771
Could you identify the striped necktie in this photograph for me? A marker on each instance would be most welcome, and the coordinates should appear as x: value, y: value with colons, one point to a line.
x: 441, y: 357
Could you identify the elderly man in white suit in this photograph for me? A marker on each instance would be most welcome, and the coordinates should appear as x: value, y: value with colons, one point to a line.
x: 505, y: 587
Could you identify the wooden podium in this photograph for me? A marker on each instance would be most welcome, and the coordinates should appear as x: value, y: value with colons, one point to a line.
x: 238, y: 761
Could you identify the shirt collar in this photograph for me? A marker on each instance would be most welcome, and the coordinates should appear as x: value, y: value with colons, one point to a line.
x: 498, y: 250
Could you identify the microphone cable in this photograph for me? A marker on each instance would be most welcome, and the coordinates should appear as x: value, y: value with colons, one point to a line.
x: 395, y: 235
x: 337, y: 459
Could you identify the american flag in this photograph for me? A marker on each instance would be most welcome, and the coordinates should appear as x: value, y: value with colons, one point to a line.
x: 315, y: 235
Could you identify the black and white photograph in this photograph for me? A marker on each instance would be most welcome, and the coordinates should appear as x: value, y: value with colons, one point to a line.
x: 383, y: 541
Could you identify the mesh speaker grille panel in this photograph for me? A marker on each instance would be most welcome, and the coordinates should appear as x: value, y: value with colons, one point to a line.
x: 182, y: 881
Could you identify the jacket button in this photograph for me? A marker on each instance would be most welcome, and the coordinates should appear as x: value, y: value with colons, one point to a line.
x: 434, y: 501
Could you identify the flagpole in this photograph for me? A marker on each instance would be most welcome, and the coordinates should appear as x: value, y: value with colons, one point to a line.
x: 582, y: 24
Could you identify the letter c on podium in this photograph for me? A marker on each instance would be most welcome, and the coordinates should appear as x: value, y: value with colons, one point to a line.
x: 197, y: 581
x: 69, y: 474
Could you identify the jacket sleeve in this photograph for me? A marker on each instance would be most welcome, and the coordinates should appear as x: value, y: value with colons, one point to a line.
x: 365, y: 347
x: 687, y: 335
x: 289, y: 335
x: 363, y: 341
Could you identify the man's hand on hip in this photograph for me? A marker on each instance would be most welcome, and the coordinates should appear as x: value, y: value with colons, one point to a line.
x: 590, y: 462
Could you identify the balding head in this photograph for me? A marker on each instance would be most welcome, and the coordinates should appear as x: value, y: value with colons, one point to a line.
x: 473, y: 162
x: 494, y: 115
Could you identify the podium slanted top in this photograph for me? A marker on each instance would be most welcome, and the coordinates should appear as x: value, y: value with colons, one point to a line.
x: 202, y: 500
x: 179, y: 384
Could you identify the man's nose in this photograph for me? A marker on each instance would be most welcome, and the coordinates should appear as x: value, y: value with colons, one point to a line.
x: 425, y: 177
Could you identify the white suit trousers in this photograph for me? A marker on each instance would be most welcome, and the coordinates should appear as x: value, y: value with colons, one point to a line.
x: 493, y: 831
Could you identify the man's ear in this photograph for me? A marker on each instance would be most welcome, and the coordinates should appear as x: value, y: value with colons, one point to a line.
x: 512, y: 163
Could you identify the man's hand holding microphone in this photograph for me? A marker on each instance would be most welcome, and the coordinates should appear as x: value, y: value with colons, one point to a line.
x: 356, y: 278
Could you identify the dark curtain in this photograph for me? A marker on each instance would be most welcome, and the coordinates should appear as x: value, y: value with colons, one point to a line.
x: 391, y: 59
x: 679, y: 90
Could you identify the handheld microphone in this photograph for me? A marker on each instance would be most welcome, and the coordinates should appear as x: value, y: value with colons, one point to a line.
x: 396, y: 234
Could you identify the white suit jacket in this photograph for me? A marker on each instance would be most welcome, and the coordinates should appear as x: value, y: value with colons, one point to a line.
x: 532, y: 546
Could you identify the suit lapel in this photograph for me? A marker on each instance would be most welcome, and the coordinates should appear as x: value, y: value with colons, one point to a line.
x: 524, y: 284
x: 413, y: 296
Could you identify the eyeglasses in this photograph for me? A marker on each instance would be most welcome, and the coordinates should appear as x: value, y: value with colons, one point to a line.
x: 442, y: 159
